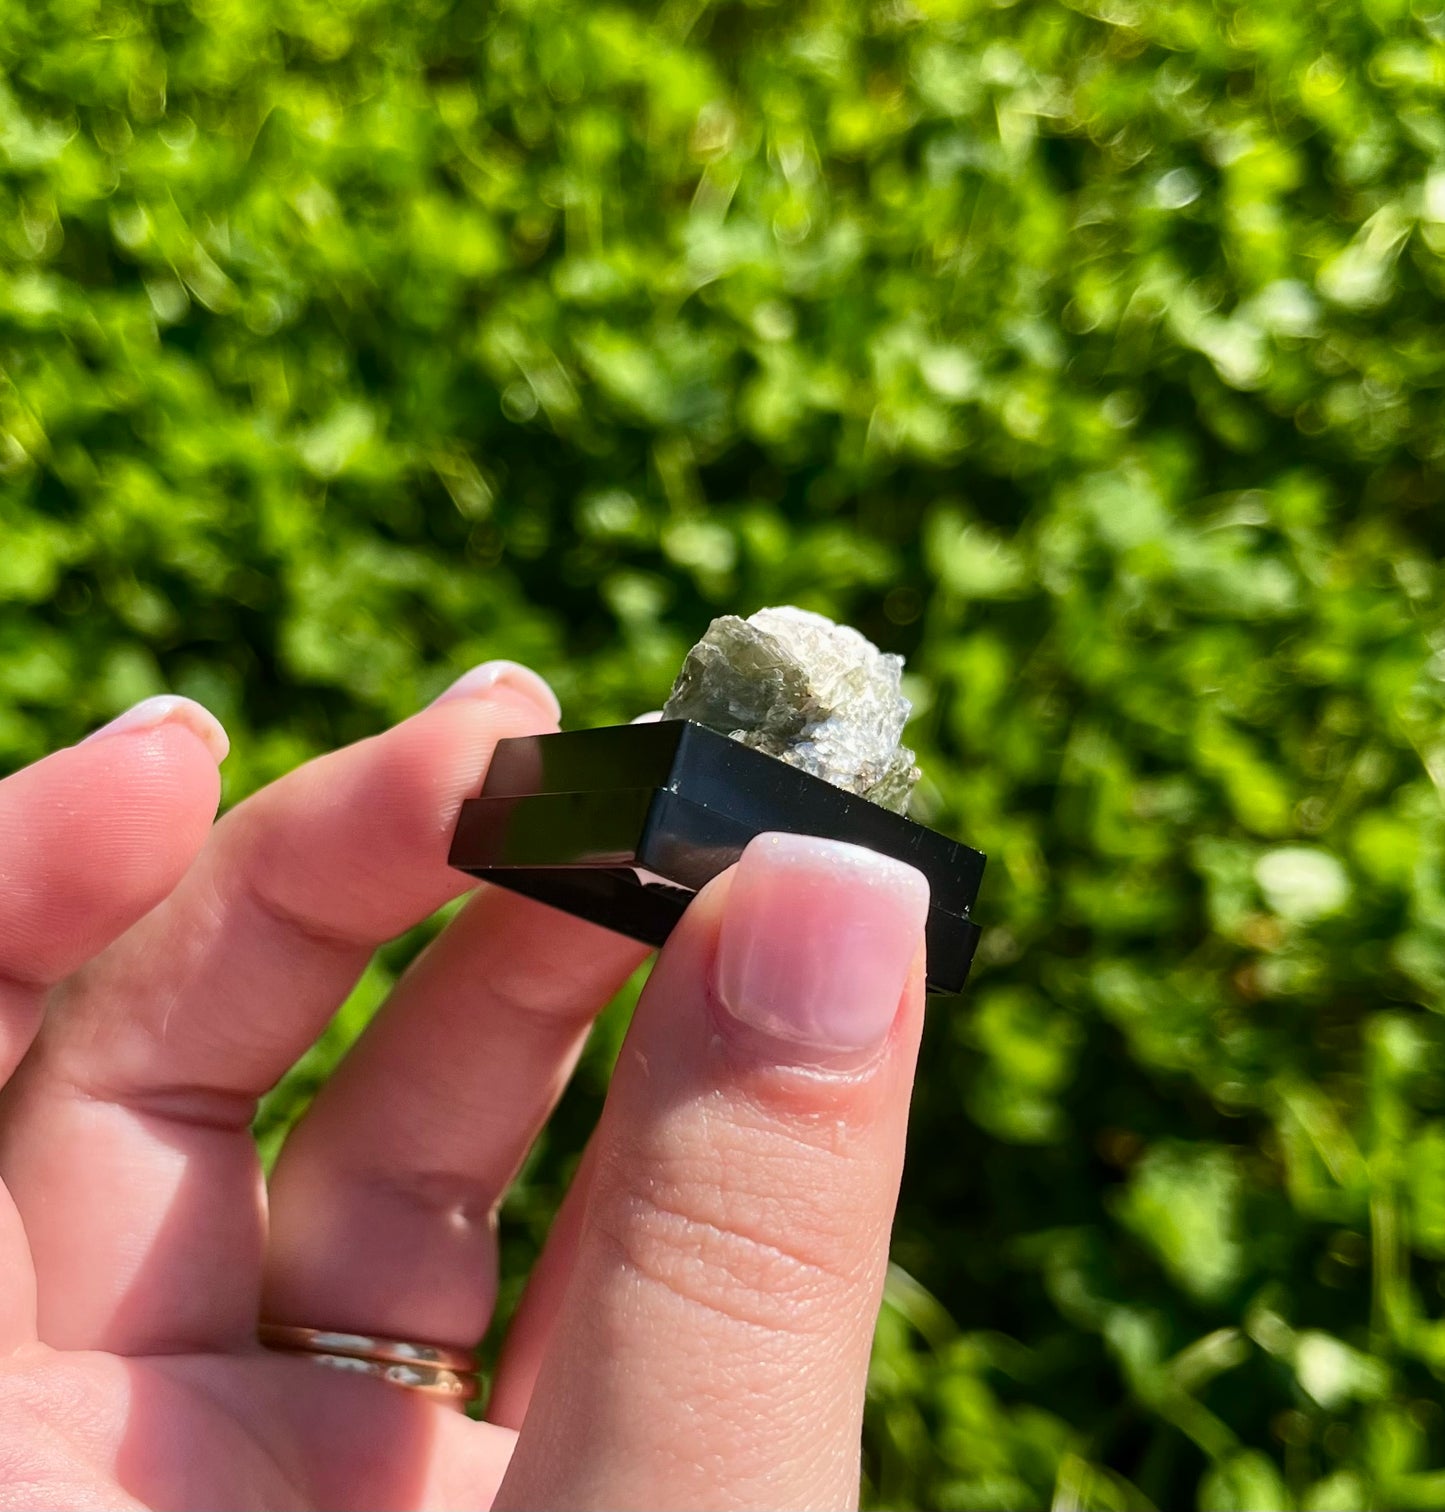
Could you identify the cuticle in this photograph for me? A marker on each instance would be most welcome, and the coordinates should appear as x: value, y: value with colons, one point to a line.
x: 743, y: 1046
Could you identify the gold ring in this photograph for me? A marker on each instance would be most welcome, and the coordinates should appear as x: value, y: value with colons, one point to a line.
x: 448, y: 1375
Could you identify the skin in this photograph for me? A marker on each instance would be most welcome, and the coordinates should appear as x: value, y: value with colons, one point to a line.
x: 697, y: 1331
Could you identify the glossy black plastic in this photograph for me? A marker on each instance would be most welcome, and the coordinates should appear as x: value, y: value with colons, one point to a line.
x: 622, y: 825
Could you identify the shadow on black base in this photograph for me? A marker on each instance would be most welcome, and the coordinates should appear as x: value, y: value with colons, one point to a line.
x: 622, y: 825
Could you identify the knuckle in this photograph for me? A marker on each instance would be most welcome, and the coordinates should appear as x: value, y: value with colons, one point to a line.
x: 757, y: 1236
x: 458, y: 1202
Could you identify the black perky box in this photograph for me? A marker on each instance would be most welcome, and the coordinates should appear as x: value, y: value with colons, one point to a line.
x: 622, y: 825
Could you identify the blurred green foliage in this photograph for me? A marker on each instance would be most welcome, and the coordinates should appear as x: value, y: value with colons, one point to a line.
x: 1092, y: 354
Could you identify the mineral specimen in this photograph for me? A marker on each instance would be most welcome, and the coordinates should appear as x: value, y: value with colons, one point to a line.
x: 820, y: 696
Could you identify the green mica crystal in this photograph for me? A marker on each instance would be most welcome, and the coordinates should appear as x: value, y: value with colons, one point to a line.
x: 819, y: 696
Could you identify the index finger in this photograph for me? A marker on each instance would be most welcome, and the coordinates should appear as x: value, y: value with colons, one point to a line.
x: 127, y: 1142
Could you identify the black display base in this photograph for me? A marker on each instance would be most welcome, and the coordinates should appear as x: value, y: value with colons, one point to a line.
x: 622, y: 826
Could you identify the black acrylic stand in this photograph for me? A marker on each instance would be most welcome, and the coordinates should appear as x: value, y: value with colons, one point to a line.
x: 622, y: 825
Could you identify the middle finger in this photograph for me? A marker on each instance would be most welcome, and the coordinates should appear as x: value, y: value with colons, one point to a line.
x: 384, y: 1200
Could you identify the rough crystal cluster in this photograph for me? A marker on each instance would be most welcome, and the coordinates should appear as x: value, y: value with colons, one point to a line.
x: 819, y: 695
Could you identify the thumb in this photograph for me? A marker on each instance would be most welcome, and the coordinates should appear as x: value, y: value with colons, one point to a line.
x: 711, y: 1344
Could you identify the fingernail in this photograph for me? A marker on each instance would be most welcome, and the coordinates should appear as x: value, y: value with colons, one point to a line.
x: 482, y: 679
x: 167, y: 708
x: 817, y: 941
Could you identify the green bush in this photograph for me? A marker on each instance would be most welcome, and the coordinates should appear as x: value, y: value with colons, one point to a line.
x: 1091, y: 354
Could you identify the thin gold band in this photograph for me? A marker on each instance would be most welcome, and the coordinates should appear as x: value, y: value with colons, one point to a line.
x: 365, y: 1347
x: 432, y: 1369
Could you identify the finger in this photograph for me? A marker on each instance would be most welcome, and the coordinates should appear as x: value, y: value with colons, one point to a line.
x: 534, y: 1321
x: 90, y: 839
x: 712, y: 1344
x: 383, y: 1202
x: 126, y: 1138
x: 93, y: 837
x: 258, y: 1430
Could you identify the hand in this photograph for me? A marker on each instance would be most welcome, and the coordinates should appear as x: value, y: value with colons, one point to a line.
x: 697, y: 1331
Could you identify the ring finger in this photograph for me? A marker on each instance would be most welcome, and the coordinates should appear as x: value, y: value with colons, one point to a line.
x: 383, y: 1201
